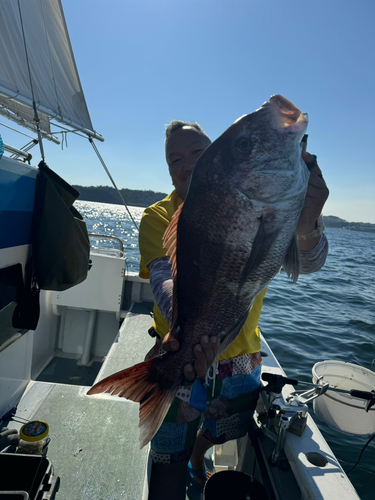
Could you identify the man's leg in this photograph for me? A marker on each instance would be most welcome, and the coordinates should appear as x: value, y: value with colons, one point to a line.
x: 202, y: 445
x: 230, y: 406
x: 175, y: 475
x: 172, y: 446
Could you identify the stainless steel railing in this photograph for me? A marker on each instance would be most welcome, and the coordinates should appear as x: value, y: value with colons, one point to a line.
x: 121, y: 251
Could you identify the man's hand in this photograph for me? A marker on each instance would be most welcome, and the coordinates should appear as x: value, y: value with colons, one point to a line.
x: 204, y: 353
x: 316, y: 196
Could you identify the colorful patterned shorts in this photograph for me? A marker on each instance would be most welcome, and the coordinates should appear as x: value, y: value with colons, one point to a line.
x: 226, y: 401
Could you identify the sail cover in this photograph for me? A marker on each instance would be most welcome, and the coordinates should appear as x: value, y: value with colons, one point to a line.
x: 37, y: 65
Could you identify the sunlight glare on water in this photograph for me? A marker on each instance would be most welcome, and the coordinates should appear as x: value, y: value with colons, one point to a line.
x: 113, y: 220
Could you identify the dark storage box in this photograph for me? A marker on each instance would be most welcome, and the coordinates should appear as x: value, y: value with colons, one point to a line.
x: 32, y: 474
x: 14, y: 495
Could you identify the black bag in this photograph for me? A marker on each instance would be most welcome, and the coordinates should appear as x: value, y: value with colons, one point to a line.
x: 60, y: 242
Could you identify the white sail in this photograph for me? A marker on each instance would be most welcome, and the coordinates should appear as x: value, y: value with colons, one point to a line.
x: 37, y: 65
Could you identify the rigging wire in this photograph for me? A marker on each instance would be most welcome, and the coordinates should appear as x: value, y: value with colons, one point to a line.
x: 14, y: 130
x: 113, y: 182
x: 360, y: 455
x: 36, y: 116
x: 37, y: 121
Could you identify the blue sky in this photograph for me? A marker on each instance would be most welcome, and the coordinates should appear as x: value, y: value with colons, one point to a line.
x: 143, y: 63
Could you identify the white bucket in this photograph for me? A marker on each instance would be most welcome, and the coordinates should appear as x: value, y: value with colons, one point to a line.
x: 342, y: 411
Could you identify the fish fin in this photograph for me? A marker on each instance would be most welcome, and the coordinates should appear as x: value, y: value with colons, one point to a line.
x: 137, y: 384
x: 226, y: 340
x: 170, y: 239
x: 170, y: 243
x: 292, y: 261
x: 259, y: 251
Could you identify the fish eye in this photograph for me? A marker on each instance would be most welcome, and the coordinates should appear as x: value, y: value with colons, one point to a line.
x: 243, y: 145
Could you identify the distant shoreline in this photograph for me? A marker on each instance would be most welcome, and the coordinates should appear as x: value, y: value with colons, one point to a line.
x: 106, y: 194
x: 139, y: 198
x: 333, y: 221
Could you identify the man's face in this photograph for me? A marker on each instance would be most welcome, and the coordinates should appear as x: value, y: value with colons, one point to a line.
x: 182, y: 151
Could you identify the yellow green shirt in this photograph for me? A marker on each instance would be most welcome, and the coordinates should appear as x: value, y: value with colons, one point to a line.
x: 155, y: 221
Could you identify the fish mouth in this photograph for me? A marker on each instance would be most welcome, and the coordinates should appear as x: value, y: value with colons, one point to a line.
x: 287, y: 115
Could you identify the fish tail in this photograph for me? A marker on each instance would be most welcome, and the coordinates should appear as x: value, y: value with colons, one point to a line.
x: 138, y: 383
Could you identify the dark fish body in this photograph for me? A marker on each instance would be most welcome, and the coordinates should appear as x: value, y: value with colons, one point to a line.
x: 235, y: 230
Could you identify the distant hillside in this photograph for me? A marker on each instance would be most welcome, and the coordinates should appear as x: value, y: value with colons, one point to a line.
x: 333, y: 221
x: 106, y: 194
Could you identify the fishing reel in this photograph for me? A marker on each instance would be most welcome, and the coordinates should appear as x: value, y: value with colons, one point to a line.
x: 282, y: 415
x: 290, y: 413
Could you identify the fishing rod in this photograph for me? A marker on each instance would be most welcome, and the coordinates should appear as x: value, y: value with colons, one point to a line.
x: 368, y: 396
x: 277, y: 382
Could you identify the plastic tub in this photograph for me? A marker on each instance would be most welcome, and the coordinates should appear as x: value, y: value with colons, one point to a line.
x: 341, y: 411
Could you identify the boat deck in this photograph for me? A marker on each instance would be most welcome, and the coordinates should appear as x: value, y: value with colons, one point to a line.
x: 94, y: 444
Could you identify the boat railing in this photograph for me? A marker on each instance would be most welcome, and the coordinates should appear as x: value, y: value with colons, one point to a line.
x: 112, y: 251
x: 18, y: 153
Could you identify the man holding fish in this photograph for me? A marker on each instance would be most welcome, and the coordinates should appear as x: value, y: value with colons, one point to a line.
x: 251, y: 207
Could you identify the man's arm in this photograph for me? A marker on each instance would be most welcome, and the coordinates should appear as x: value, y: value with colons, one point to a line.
x: 314, y: 247
x: 161, y: 282
x: 314, y: 259
x: 316, y: 196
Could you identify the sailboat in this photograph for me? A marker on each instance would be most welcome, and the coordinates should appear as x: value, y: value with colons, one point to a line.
x: 64, y: 327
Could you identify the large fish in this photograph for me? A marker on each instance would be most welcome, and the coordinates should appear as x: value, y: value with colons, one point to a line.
x: 229, y: 239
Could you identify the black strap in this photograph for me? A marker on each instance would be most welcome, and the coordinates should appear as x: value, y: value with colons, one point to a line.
x: 27, y: 311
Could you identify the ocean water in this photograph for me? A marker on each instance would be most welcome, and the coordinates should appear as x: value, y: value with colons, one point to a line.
x: 329, y: 315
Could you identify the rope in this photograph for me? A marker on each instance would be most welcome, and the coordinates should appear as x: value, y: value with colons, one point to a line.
x: 67, y: 131
x: 211, y: 375
x: 360, y: 455
x: 64, y: 138
x: 113, y: 182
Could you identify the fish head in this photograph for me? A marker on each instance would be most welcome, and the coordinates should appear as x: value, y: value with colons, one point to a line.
x: 259, y: 154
